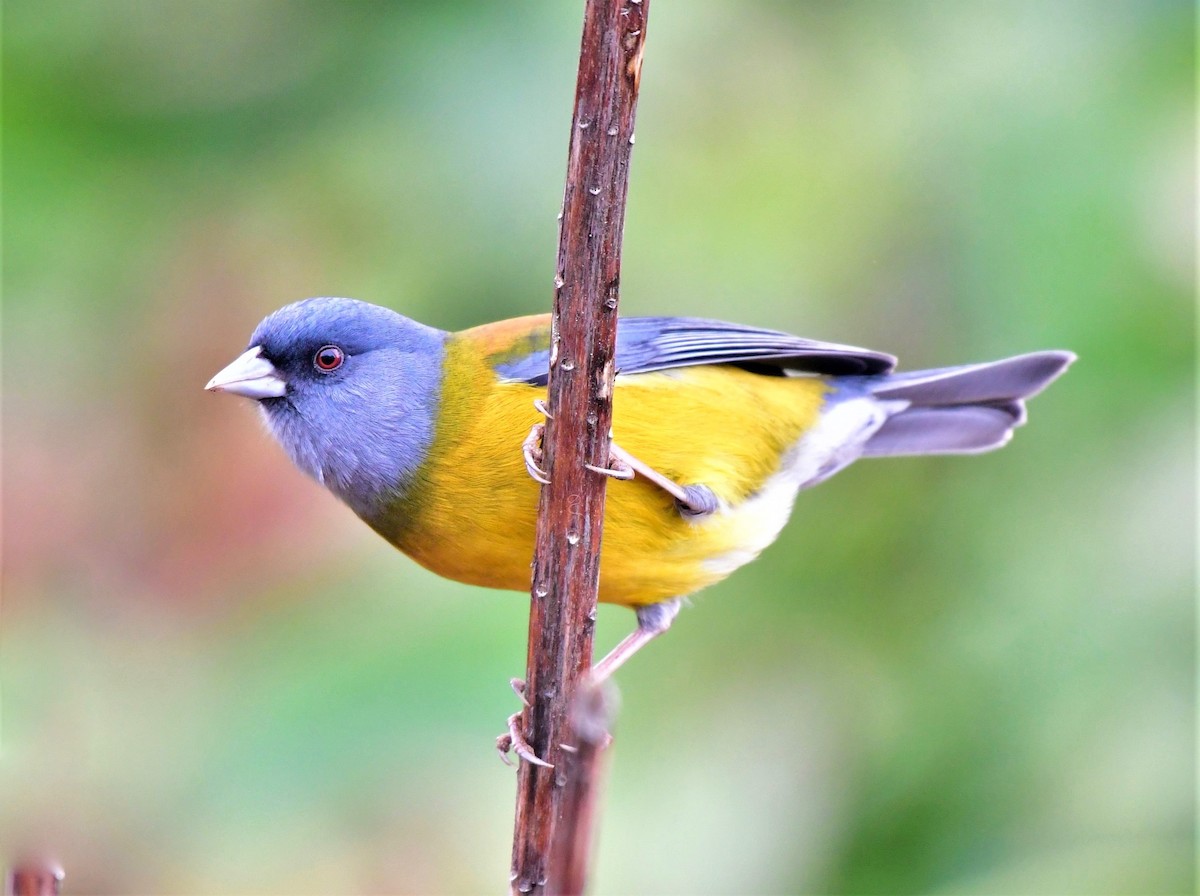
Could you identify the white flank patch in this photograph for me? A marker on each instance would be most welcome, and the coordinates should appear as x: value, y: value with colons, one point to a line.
x: 842, y: 430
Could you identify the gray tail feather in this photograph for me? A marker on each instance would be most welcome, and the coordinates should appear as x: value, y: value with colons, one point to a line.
x: 961, y: 410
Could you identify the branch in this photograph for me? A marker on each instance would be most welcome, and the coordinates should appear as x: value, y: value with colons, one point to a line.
x: 571, y: 511
x: 33, y: 878
x: 571, y: 848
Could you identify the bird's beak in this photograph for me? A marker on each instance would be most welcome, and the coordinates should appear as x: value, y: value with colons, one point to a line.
x: 250, y: 375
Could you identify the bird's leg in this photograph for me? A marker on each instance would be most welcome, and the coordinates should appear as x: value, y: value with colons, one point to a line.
x: 512, y: 741
x: 693, y: 500
x: 653, y: 620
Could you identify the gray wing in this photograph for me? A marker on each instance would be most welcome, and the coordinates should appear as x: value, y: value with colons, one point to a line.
x: 659, y: 343
x: 646, y: 344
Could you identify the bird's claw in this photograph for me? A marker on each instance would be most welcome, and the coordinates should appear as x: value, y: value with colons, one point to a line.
x: 616, y: 468
x: 504, y: 745
x: 513, y: 741
x: 531, y: 450
x: 518, y: 686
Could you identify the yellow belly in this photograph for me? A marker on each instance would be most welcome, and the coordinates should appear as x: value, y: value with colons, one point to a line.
x: 471, y: 517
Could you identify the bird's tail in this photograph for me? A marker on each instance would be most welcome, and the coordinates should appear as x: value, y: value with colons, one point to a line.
x: 960, y: 410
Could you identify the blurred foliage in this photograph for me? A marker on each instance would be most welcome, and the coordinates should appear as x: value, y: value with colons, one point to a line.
x: 959, y: 675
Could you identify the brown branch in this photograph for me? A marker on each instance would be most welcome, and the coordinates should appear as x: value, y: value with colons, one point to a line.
x: 571, y: 848
x: 33, y: 879
x: 571, y: 512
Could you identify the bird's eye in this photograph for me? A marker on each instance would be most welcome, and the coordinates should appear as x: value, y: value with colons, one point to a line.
x: 329, y: 358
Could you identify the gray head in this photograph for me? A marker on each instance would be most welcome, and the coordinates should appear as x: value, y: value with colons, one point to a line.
x: 350, y: 390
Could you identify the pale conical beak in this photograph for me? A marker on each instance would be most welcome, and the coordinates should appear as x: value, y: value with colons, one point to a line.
x: 250, y: 375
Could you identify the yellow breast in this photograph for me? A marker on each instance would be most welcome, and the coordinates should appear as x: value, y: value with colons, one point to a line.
x: 471, y: 515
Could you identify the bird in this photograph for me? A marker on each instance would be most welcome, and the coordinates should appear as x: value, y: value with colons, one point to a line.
x: 432, y: 437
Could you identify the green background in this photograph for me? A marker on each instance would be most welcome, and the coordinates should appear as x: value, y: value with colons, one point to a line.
x: 954, y: 675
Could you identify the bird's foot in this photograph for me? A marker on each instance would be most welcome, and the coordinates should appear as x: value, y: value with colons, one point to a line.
x: 617, y: 468
x: 531, y: 450
x: 513, y: 741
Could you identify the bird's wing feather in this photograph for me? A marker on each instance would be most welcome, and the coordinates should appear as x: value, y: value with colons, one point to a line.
x: 646, y: 344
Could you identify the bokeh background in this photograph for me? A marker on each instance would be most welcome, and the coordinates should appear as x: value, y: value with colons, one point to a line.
x: 957, y: 675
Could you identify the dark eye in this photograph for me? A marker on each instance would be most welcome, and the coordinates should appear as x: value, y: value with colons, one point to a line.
x: 329, y: 358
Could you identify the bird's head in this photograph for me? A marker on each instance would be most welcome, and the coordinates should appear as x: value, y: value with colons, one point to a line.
x: 350, y: 390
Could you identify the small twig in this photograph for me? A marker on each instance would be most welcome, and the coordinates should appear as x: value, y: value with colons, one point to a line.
x: 571, y: 511
x: 570, y: 853
x: 34, y: 879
